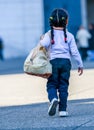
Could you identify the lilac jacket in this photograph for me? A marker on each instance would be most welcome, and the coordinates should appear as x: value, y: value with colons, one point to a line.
x: 60, y: 49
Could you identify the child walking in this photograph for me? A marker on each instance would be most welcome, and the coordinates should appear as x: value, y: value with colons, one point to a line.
x: 61, y: 47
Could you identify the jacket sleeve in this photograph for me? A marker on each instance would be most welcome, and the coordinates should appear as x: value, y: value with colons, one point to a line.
x: 74, y: 52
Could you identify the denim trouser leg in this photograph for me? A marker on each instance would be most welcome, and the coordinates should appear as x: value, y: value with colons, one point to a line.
x: 52, y: 84
x: 59, y: 80
x: 63, y: 90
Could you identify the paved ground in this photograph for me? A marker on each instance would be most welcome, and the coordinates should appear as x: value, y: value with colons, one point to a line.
x: 15, y: 65
x: 11, y: 66
x: 24, y: 103
x: 35, y: 117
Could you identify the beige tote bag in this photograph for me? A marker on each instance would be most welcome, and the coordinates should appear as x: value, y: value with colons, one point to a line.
x: 37, y: 63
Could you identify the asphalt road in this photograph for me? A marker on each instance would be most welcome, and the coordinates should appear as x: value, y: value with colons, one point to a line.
x: 11, y: 66
x: 35, y: 117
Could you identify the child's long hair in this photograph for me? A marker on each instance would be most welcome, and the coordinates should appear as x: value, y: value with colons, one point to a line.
x: 58, y: 18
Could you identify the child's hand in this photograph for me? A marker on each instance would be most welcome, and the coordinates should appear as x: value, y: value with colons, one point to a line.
x: 80, y: 71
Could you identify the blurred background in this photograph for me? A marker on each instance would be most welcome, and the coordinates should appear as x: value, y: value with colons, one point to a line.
x: 22, y: 22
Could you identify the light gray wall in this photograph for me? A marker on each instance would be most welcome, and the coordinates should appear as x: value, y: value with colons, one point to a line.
x: 21, y: 24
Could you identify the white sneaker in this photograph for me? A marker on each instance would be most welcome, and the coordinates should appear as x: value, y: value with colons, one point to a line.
x: 52, y: 107
x: 63, y: 113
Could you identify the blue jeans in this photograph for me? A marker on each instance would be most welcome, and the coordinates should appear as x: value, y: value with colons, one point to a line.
x: 58, y: 82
